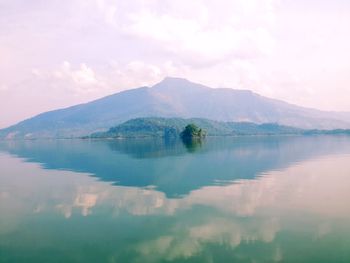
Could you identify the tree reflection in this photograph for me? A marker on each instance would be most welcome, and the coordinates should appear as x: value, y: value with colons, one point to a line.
x: 192, y: 144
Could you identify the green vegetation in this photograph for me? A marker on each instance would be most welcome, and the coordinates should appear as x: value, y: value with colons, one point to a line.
x: 192, y: 137
x: 174, y: 127
x: 192, y: 131
x: 143, y: 127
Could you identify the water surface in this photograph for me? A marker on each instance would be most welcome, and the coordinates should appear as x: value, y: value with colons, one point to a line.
x: 253, y: 199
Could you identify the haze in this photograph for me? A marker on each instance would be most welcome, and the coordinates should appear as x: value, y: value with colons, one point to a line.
x: 55, y: 54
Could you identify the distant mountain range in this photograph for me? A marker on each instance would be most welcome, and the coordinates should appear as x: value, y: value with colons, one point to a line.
x: 173, y: 98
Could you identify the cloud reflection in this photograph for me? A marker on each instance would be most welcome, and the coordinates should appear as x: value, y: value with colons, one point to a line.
x: 245, y: 212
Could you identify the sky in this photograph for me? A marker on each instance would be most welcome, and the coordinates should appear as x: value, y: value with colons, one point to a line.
x: 58, y: 53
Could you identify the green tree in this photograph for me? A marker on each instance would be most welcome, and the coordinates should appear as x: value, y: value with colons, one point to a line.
x: 192, y: 131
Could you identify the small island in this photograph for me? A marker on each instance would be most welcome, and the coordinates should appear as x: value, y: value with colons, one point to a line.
x: 192, y: 136
x: 192, y: 131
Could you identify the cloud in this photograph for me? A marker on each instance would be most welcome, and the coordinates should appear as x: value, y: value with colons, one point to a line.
x: 81, y: 79
x: 83, y: 76
x: 197, y: 33
x: 204, y: 32
x: 3, y: 87
x: 138, y: 73
x: 112, y: 45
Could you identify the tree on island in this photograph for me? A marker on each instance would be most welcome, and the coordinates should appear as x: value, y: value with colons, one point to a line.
x: 191, y: 131
x: 192, y: 137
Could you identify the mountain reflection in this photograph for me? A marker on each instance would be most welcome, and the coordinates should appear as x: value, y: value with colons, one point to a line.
x: 169, y: 166
x: 302, y: 207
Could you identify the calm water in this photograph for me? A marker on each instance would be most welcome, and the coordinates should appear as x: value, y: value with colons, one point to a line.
x: 266, y: 199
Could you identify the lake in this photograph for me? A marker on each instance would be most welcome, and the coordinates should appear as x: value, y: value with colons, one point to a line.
x: 239, y: 199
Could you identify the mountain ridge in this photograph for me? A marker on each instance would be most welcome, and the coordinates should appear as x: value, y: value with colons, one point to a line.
x: 172, y: 97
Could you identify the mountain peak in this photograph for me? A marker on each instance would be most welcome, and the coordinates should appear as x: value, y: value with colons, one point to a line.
x: 177, y: 83
x: 174, y: 80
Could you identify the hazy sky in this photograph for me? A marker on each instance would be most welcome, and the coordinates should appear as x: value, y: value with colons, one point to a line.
x: 56, y: 53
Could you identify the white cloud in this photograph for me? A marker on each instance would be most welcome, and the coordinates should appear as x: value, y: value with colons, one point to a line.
x: 193, y: 32
x: 138, y: 73
x: 84, y: 75
x: 113, y: 45
x: 108, y: 11
x: 80, y: 80
x: 3, y: 87
x: 83, y: 79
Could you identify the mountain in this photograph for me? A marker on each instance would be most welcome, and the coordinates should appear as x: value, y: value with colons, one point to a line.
x: 173, y: 97
x: 172, y: 127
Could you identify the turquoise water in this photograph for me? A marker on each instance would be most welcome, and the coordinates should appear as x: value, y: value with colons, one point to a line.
x: 253, y: 199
